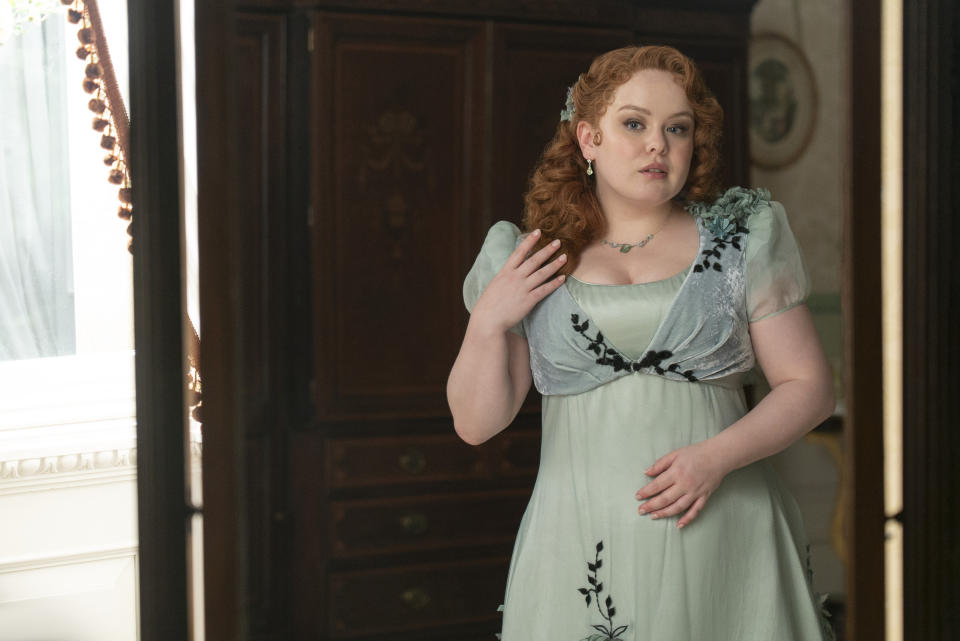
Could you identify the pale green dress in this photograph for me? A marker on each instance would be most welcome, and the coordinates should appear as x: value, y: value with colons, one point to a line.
x: 737, y: 572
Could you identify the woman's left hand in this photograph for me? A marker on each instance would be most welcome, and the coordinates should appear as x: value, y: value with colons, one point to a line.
x: 685, y: 478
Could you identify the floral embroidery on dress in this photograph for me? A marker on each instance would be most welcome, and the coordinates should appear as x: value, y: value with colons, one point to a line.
x: 734, y: 206
x: 725, y: 218
x: 607, y: 631
x: 720, y: 243
x: 607, y: 355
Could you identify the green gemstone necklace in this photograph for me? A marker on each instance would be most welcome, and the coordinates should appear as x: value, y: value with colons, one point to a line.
x: 625, y: 247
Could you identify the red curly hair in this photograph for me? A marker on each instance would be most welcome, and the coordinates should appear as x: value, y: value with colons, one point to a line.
x: 561, y: 200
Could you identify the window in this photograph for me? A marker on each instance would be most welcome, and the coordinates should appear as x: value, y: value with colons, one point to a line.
x: 66, y: 304
x: 67, y: 412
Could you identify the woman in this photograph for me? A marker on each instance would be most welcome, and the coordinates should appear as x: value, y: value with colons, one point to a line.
x: 636, y: 304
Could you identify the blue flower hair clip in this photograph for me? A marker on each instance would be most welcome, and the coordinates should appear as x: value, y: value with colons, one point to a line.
x: 570, y: 108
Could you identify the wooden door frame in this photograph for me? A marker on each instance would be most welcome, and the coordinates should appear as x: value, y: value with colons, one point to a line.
x: 931, y: 344
x: 863, y: 429
x: 163, y: 516
x: 224, y: 473
x: 931, y: 303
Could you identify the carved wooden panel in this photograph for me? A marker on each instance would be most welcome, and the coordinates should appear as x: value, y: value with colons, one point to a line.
x: 398, y: 129
x: 259, y: 50
x: 416, y: 597
x: 533, y: 66
x: 391, y: 525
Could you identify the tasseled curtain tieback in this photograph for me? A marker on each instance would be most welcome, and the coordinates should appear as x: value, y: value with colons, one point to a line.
x: 111, y: 121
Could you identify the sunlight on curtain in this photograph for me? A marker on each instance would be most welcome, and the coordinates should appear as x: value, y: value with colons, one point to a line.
x: 36, y: 257
x: 65, y: 274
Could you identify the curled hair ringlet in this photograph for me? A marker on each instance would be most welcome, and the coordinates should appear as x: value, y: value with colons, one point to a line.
x: 561, y: 198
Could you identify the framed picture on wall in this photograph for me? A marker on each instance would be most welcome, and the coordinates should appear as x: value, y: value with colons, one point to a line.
x: 783, y: 101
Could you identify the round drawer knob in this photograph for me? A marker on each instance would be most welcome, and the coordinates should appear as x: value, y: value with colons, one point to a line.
x: 413, y: 461
x: 414, y: 523
x: 415, y: 598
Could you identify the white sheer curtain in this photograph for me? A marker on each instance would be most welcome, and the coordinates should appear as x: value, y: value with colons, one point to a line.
x: 36, y: 269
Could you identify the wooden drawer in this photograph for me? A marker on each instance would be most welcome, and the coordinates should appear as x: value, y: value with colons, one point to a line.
x: 519, y: 453
x: 405, y: 459
x: 384, y: 526
x: 416, y: 597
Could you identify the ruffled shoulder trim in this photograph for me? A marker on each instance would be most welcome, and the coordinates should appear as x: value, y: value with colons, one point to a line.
x: 502, y: 236
x: 501, y: 240
x: 731, y: 209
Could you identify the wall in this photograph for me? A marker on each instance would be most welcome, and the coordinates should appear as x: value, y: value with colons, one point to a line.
x: 68, y: 499
x: 815, y: 186
x: 814, y: 189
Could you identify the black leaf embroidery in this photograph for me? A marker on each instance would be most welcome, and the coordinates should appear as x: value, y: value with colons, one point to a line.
x: 606, y: 355
x: 608, y: 632
x: 712, y: 256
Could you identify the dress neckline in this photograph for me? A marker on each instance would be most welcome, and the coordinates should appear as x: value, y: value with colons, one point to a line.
x: 683, y: 272
x: 676, y: 276
x: 667, y: 317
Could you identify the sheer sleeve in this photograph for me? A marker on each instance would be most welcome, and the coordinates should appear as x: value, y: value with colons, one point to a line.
x: 777, y: 277
x: 500, y: 242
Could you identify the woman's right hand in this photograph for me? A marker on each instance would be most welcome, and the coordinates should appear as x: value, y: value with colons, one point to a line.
x: 520, y: 284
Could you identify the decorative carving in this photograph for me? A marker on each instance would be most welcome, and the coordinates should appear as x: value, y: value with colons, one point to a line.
x: 395, y: 147
x: 395, y: 142
x: 65, y: 463
x: 123, y: 459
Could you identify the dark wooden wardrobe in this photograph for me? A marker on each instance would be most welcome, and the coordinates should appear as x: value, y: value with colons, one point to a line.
x: 372, y: 144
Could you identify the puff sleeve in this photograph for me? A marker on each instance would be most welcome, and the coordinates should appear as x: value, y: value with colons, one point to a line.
x: 776, y: 274
x: 500, y: 242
